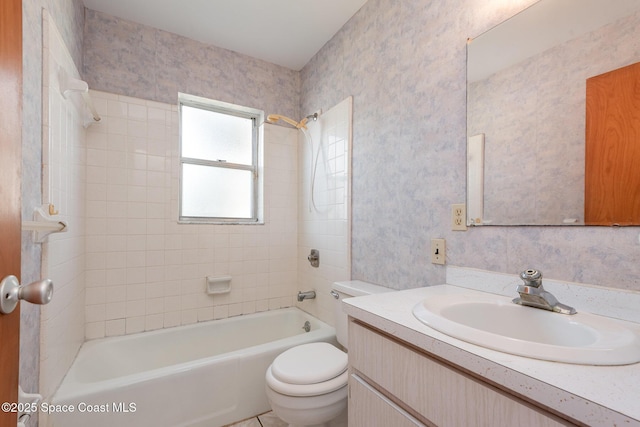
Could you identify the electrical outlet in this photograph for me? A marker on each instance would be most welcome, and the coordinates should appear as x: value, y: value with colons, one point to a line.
x: 459, y: 217
x: 437, y: 251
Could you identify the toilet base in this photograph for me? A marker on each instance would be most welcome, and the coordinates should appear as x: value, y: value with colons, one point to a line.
x: 339, y: 421
x: 327, y: 410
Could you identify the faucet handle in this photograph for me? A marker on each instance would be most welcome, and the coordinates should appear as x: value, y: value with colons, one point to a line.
x: 532, y: 277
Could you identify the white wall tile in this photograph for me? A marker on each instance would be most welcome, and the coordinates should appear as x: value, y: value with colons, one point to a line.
x: 64, y: 161
x: 326, y: 226
x: 134, y: 324
x: 141, y: 259
x: 95, y: 330
x: 114, y: 327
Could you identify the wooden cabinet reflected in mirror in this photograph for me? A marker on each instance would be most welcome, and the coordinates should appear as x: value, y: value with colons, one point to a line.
x: 612, y: 148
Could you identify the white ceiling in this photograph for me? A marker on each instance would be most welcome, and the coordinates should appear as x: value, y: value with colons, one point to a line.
x: 284, y: 32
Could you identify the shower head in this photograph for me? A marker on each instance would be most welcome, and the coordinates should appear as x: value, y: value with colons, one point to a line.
x: 272, y: 118
x: 302, y: 124
x: 304, y: 121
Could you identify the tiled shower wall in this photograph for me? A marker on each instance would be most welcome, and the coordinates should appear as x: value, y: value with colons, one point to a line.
x: 325, y: 224
x: 69, y: 17
x: 63, y: 254
x: 145, y: 271
x: 136, y: 60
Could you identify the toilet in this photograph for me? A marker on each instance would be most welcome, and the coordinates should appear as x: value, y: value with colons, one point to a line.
x: 307, y: 384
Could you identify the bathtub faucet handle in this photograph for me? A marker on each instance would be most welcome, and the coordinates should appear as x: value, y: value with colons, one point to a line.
x: 314, y: 258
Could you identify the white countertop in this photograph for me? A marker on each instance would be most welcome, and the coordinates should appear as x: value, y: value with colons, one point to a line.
x: 594, y: 395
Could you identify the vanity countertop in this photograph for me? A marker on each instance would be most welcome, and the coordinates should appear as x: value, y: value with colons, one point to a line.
x: 594, y: 395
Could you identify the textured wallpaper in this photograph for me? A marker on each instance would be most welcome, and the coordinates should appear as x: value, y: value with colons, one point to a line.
x: 132, y: 59
x: 405, y: 65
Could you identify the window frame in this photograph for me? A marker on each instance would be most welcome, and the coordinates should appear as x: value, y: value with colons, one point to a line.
x: 253, y: 114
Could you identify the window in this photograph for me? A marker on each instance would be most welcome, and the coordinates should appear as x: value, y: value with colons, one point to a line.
x: 218, y: 161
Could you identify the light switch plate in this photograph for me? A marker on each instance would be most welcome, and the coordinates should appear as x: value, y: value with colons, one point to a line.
x: 437, y: 251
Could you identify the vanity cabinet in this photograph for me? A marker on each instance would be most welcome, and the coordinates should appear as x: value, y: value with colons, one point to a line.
x: 368, y: 407
x: 395, y: 384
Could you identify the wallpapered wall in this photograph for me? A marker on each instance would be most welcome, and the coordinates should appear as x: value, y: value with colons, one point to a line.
x: 404, y: 63
x: 132, y: 59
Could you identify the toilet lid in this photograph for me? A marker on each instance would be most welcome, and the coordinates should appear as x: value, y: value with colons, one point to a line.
x: 309, y: 364
x: 334, y: 385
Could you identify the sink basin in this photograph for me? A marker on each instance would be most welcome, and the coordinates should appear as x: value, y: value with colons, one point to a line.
x: 494, y: 322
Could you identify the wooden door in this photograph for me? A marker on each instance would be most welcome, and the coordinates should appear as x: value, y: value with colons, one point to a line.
x: 10, y: 169
x: 612, y: 172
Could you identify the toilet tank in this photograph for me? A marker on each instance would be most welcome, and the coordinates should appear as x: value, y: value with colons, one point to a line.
x: 348, y: 289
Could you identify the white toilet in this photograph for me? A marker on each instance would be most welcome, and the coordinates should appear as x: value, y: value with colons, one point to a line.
x: 307, y: 384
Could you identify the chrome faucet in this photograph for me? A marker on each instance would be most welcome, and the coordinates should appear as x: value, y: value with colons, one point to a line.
x: 532, y: 294
x: 306, y: 295
x: 314, y: 258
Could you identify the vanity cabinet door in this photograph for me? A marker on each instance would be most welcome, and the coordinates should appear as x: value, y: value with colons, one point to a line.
x: 367, y: 407
x: 437, y: 392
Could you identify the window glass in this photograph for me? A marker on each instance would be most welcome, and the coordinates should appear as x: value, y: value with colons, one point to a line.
x: 216, y: 192
x: 216, y: 136
x: 218, y: 161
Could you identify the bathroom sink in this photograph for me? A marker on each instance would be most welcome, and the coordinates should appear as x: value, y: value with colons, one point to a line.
x: 494, y: 322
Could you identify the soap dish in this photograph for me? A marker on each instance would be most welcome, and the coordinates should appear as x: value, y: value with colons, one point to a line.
x: 218, y: 284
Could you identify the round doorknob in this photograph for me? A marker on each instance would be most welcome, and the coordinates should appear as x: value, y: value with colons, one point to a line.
x: 11, y: 292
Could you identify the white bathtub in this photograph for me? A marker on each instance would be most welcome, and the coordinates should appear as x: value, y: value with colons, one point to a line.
x: 209, y: 374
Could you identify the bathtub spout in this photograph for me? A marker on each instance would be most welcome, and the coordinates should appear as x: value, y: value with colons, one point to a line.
x: 306, y: 295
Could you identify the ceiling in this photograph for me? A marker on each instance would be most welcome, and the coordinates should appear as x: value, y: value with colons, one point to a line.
x: 283, y: 32
x: 538, y: 28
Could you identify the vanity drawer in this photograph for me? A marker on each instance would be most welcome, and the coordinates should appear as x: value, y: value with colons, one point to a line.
x: 367, y: 407
x: 436, y: 391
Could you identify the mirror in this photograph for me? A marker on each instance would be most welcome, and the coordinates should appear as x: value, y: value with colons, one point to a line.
x: 526, y: 92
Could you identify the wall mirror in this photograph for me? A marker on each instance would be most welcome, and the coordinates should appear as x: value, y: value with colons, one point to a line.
x: 526, y: 104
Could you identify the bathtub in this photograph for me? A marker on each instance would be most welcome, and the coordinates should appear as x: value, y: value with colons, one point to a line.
x: 209, y: 374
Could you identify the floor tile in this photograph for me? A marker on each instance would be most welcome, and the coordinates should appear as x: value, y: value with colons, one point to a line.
x: 271, y: 420
x: 252, y: 422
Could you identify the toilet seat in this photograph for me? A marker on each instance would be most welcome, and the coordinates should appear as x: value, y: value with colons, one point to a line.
x: 308, y: 370
x: 309, y: 363
x: 306, y: 390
